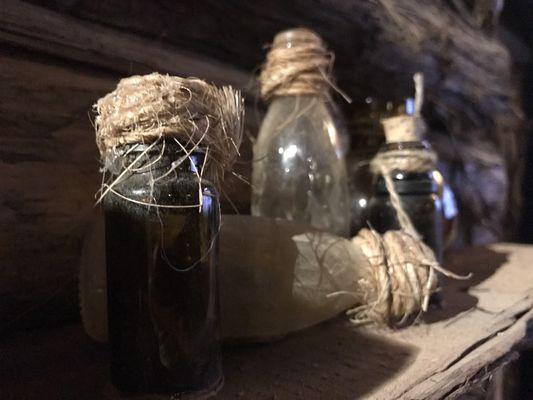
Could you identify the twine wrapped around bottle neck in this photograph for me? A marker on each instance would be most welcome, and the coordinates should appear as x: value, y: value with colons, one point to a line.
x: 145, y: 109
x: 402, y: 129
x: 298, y: 63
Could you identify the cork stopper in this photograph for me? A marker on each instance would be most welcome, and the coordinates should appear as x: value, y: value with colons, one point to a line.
x: 403, y: 128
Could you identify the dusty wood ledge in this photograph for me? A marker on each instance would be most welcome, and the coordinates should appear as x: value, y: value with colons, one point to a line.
x: 459, y: 345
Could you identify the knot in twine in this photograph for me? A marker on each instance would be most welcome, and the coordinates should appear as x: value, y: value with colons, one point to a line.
x: 400, y: 279
x: 298, y: 63
x: 146, y: 109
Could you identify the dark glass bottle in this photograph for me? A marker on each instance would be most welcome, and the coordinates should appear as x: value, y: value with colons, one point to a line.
x: 419, y: 194
x: 162, y: 273
x: 366, y: 140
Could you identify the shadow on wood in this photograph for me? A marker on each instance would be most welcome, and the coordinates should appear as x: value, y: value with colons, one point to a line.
x: 482, y: 262
x: 332, y: 360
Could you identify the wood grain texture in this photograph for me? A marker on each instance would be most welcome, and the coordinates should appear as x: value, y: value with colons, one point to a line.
x: 39, y: 29
x: 484, y: 320
x: 49, y: 175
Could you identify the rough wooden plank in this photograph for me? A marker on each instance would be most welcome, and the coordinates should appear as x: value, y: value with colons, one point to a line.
x: 459, y: 374
x: 39, y: 29
x: 48, y: 164
x: 333, y: 360
x: 502, y: 293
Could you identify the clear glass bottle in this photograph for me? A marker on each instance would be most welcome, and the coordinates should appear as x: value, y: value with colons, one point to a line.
x: 299, y: 173
x: 162, y: 274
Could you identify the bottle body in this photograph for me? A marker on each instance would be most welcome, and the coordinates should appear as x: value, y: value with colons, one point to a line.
x: 299, y: 173
x: 419, y: 195
x: 162, y: 278
x: 367, y: 138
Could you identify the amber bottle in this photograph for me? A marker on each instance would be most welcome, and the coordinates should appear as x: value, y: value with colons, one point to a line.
x: 162, y: 222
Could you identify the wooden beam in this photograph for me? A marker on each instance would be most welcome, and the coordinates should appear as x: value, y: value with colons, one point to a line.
x: 37, y: 28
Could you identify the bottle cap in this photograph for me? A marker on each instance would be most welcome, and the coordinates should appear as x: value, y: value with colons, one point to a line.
x: 403, y: 128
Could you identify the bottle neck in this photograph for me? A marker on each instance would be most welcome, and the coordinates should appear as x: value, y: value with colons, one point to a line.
x: 408, y: 182
x: 304, y: 98
x: 411, y: 145
x: 157, y: 158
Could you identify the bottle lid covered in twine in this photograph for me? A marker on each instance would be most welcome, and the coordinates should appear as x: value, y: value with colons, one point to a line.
x: 298, y: 63
x: 146, y: 109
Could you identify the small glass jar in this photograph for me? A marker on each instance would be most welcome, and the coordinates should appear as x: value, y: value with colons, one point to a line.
x: 419, y: 194
x: 162, y: 255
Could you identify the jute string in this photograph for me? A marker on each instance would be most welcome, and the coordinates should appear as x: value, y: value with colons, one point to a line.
x: 147, y: 109
x: 298, y: 63
x: 400, y: 279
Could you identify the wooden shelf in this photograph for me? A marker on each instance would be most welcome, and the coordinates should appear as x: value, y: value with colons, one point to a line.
x: 481, y: 325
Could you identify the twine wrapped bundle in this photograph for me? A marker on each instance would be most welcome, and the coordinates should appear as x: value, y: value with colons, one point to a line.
x: 147, y: 109
x: 298, y: 63
x: 389, y: 278
x: 400, y: 279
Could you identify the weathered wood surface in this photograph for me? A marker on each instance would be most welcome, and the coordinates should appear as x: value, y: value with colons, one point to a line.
x: 49, y: 173
x: 457, y: 346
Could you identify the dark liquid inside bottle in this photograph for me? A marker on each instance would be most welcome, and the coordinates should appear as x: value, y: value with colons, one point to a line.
x: 418, y: 192
x: 162, y: 275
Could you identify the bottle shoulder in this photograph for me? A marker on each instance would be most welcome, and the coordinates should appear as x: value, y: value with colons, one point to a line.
x: 297, y: 108
x: 179, y: 189
x: 298, y: 124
